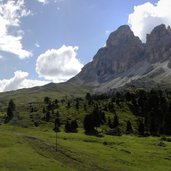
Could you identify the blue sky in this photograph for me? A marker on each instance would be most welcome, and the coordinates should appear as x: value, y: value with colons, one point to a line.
x: 50, y: 40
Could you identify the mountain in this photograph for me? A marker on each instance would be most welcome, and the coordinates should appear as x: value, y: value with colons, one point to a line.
x: 126, y: 61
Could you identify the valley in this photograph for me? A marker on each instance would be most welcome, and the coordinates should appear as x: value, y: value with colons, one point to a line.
x: 115, y: 115
x: 28, y: 141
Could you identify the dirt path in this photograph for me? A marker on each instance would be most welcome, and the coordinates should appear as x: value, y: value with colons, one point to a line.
x: 65, y: 156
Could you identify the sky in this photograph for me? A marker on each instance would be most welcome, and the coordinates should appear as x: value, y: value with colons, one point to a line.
x: 43, y: 41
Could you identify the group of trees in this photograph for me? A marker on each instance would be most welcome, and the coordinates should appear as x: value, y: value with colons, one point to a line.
x: 154, y: 110
x: 71, y: 126
x: 114, y: 123
x: 94, y: 120
x: 151, y: 108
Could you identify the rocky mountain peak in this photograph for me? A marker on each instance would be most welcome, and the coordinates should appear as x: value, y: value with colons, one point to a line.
x: 158, y: 45
x: 122, y: 50
x: 122, y: 35
x: 125, y: 58
x: 158, y: 33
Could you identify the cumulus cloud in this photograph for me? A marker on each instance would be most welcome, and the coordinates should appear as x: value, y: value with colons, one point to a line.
x: 43, y: 1
x: 146, y: 16
x: 58, y: 65
x: 11, y: 13
x: 19, y: 81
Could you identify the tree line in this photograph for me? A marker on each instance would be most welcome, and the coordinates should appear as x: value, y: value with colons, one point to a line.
x: 152, y: 110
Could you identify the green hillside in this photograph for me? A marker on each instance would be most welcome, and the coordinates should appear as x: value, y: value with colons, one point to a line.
x: 38, y: 93
x: 28, y: 141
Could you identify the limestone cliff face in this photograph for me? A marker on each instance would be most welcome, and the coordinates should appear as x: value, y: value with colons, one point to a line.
x: 126, y: 58
x: 122, y: 51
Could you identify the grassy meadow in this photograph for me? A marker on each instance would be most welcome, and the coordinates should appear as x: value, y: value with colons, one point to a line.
x: 23, y: 149
x: 26, y: 147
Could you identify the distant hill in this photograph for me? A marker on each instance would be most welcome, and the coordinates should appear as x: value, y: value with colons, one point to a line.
x: 38, y: 93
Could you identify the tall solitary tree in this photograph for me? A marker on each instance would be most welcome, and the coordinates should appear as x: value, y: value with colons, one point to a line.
x: 10, y: 113
x: 56, y: 128
x: 11, y: 104
x: 10, y: 110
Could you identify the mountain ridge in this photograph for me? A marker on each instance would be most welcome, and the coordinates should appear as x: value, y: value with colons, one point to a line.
x: 126, y: 59
x: 124, y: 62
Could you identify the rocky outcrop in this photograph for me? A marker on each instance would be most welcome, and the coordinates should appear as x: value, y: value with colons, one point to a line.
x: 126, y: 59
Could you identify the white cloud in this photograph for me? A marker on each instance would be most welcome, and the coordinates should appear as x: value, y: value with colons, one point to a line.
x: 11, y: 13
x: 146, y: 16
x: 58, y: 65
x: 19, y: 81
x: 43, y: 1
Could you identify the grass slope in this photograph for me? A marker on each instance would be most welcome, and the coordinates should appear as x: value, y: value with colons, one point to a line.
x: 23, y: 149
x: 38, y: 93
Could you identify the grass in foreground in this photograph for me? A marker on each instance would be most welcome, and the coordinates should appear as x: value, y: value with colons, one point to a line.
x: 23, y: 149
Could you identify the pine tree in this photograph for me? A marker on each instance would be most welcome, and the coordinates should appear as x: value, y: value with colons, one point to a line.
x: 167, y: 126
x: 74, y: 126
x: 10, y: 110
x: 89, y: 98
x: 56, y: 128
x: 128, y: 96
x: 141, y: 128
x: 46, y: 100
x: 77, y: 105
x: 85, y: 107
x: 115, y: 121
x: 153, y: 128
x: 110, y: 123
x: 67, y: 126
x: 129, y: 129
x: 88, y: 124
x: 9, y: 113
x: 44, y: 110
x: 56, y: 125
x: 68, y: 104
x: 11, y: 105
x: 47, y: 116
